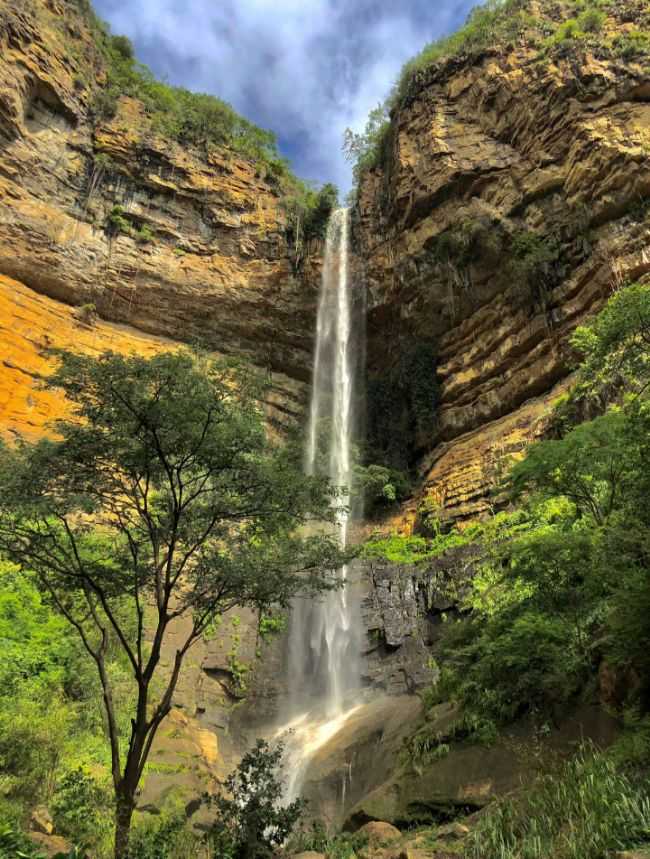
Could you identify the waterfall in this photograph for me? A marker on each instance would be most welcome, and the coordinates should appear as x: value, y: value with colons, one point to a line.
x: 324, y: 634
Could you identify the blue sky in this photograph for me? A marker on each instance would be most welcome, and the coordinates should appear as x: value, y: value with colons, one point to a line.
x: 306, y: 69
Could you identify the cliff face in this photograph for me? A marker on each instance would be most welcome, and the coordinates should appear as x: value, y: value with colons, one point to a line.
x: 166, y: 240
x: 510, y: 204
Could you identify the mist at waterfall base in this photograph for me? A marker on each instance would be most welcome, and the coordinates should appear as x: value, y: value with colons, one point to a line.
x: 324, y: 664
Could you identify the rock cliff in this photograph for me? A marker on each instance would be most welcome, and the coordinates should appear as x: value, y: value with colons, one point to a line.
x: 510, y: 203
x: 176, y: 242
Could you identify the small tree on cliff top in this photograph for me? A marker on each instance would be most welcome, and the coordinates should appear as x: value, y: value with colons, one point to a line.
x: 161, y: 499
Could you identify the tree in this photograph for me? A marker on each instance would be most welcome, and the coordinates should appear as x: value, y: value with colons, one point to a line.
x: 160, y: 499
x: 251, y: 820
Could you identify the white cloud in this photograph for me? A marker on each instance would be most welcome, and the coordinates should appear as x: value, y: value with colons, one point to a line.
x: 307, y: 69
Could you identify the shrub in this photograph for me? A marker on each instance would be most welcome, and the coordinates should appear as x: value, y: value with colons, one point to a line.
x: 81, y: 808
x: 591, y: 21
x: 251, y: 821
x: 489, y: 25
x: 15, y: 845
x: 533, y: 262
x: 144, y: 235
x: 116, y: 223
x: 190, y: 118
x: 163, y: 837
x: 632, y: 45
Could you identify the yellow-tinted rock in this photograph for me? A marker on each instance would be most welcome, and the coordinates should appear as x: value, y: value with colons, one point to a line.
x: 31, y: 323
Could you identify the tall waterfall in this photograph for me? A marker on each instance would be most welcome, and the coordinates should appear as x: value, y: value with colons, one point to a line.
x: 324, y: 637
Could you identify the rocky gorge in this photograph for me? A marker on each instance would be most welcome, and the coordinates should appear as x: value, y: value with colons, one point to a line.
x: 509, y: 203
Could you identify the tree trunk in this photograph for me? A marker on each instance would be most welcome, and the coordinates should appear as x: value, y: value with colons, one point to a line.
x: 124, y: 806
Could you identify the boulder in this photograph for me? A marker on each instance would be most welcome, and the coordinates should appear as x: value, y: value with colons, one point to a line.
x: 41, y: 820
x: 50, y: 845
x: 379, y: 833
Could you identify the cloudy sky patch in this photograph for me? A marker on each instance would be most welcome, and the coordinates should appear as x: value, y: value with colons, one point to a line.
x: 306, y: 69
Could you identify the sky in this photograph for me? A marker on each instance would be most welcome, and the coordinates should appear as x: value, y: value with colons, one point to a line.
x: 306, y: 69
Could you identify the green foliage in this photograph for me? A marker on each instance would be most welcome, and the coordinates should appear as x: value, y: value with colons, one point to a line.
x: 251, y: 821
x: 615, y: 346
x: 270, y: 625
x: 162, y: 490
x: 587, y: 810
x: 380, y: 486
x: 563, y: 581
x: 344, y: 845
x: 308, y: 212
x: 492, y: 24
x: 166, y: 836
x: 591, y: 20
x: 468, y: 241
x: 402, y: 406
x: 81, y: 808
x: 15, y: 845
x: 117, y: 223
x: 369, y: 148
x: 144, y: 235
x: 428, y: 744
x: 632, y: 45
x: 534, y: 263
x: 400, y: 549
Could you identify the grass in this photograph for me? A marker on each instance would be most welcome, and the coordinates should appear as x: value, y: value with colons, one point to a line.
x: 585, y: 811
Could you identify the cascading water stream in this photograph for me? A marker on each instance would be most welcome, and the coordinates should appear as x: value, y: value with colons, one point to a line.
x: 324, y: 645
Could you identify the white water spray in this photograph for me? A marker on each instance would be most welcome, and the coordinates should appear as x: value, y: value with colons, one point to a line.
x: 324, y: 644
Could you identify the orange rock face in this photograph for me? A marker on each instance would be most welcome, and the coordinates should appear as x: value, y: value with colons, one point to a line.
x: 31, y: 323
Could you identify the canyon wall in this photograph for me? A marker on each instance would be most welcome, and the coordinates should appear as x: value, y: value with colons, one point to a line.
x: 508, y: 207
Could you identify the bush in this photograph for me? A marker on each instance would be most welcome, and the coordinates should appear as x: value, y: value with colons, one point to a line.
x: 519, y: 662
x: 251, y: 821
x: 167, y: 836
x: 15, y: 845
x: 534, y: 263
x: 82, y: 808
x: 632, y: 45
x: 587, y: 810
x: 591, y: 21
x: 117, y: 223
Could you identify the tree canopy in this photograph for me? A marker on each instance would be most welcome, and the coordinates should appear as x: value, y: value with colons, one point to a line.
x: 161, y: 497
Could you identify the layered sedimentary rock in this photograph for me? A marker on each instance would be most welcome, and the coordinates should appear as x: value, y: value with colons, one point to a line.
x: 509, y: 206
x: 171, y: 241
